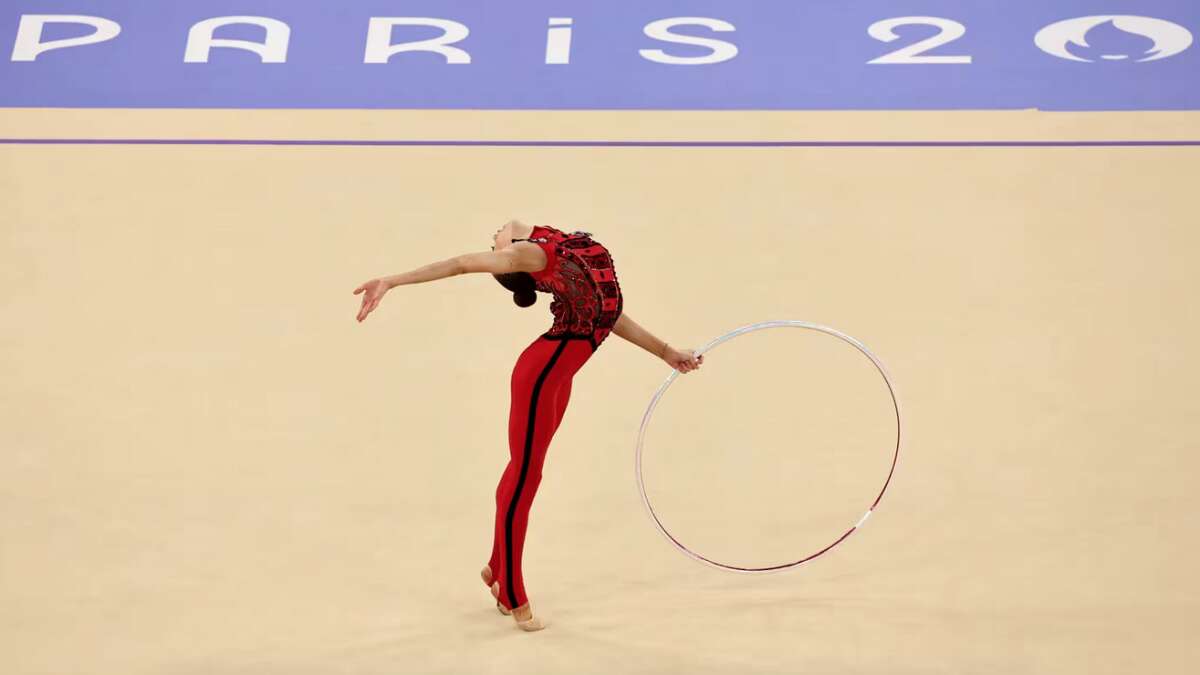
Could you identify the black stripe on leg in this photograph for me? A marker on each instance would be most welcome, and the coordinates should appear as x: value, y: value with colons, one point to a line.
x: 528, y: 452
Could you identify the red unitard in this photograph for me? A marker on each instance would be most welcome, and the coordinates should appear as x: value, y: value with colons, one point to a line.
x: 587, y: 302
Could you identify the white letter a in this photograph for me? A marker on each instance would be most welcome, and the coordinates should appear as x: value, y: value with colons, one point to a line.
x: 272, y: 50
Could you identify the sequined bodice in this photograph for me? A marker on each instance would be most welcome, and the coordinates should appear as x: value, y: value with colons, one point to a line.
x: 580, y: 275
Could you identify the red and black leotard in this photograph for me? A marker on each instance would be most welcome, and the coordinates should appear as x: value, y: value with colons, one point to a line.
x: 587, y: 303
x: 579, y: 273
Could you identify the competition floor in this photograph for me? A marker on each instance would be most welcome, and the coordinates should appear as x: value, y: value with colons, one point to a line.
x: 211, y: 468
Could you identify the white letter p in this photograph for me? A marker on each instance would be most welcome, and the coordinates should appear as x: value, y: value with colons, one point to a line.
x: 29, y: 34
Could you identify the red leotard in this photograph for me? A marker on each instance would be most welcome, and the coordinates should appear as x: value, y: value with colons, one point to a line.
x: 587, y: 301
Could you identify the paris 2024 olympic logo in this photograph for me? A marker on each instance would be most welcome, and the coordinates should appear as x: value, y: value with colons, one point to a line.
x: 1169, y: 38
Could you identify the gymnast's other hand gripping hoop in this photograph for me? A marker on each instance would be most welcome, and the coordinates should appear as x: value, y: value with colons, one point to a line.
x: 729, y: 336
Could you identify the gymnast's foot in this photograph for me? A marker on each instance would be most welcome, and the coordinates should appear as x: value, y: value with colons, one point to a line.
x: 486, y: 574
x: 525, y: 618
x: 523, y: 615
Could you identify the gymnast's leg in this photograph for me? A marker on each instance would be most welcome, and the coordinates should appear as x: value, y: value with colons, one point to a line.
x: 540, y: 392
x: 505, y: 488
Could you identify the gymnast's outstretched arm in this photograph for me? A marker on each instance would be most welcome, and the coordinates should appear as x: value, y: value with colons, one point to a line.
x: 520, y: 257
x: 682, y: 360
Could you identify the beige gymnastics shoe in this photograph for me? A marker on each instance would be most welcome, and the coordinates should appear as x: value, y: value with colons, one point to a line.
x: 529, y: 622
x: 523, y: 615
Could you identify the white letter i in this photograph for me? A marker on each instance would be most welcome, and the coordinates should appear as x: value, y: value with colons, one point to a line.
x: 558, y: 41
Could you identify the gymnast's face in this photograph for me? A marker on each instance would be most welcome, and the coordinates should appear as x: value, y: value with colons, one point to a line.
x: 503, y: 237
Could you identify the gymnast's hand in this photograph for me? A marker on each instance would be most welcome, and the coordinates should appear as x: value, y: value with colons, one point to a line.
x: 375, y: 289
x: 683, y: 360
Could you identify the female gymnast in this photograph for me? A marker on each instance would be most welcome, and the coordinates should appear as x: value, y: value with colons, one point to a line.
x: 578, y: 271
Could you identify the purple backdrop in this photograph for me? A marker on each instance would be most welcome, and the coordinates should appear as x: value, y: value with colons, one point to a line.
x: 790, y: 55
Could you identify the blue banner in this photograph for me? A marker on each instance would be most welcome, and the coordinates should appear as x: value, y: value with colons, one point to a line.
x: 583, y: 54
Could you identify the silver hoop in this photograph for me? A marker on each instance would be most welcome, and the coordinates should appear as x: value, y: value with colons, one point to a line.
x: 729, y: 336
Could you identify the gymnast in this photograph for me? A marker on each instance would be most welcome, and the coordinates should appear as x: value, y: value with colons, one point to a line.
x: 578, y: 272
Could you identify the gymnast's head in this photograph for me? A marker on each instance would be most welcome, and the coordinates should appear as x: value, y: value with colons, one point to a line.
x: 513, y: 229
x: 521, y: 284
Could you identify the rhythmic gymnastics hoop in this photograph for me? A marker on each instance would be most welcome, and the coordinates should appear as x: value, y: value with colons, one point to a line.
x: 729, y: 336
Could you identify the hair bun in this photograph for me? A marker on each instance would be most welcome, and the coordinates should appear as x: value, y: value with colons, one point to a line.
x: 525, y: 299
x: 522, y: 285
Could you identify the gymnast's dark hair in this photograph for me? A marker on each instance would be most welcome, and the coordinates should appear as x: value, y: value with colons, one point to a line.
x: 522, y: 285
